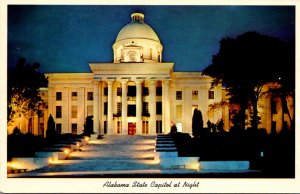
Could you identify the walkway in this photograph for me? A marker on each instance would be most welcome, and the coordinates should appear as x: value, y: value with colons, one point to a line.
x: 111, y: 155
x: 121, y: 156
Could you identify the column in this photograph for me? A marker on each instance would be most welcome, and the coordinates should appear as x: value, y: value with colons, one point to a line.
x: 35, y: 124
x: 268, y: 114
x: 280, y: 115
x: 138, y: 107
x: 50, y: 102
x: 124, y: 108
x: 95, y: 107
x: 99, y: 107
x: 152, y: 107
x: 110, y: 129
x: 166, y: 107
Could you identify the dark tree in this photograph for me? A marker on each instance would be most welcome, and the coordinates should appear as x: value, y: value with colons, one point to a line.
x: 245, y: 64
x: 220, y: 126
x: 197, y: 123
x: 173, y: 129
x: 23, y: 85
x: 209, y: 126
x: 88, y: 126
x: 51, y: 132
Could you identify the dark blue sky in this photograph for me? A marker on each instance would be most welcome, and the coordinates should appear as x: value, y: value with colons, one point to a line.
x: 67, y: 38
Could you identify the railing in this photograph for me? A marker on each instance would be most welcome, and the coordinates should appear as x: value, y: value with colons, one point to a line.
x: 131, y: 98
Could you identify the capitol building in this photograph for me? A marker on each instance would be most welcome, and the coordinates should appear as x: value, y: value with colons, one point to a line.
x: 138, y: 93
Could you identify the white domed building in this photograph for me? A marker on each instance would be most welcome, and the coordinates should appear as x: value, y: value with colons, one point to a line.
x: 137, y: 94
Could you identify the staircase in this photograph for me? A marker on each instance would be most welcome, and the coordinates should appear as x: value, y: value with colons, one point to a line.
x: 112, y: 153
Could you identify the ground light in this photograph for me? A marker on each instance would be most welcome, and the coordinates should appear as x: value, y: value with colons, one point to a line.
x: 66, y: 151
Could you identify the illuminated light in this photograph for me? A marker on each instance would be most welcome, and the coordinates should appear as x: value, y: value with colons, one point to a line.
x: 50, y: 160
x: 67, y: 151
x: 10, y: 164
x: 193, y: 165
x: 87, y: 138
x: 78, y: 144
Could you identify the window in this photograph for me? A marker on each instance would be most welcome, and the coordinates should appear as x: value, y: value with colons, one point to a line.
x: 105, y: 127
x: 145, y: 91
x: 159, y: 91
x: 273, y: 127
x: 145, y: 129
x: 158, y: 126
x: 58, y: 96
x: 89, y: 110
x: 158, y: 108
x: 105, y: 91
x: 285, y: 125
x: 284, y: 106
x: 145, y: 110
x: 73, y: 112
x: 90, y: 96
x: 58, y: 111
x: 74, y: 128
x: 105, y: 108
x: 119, y: 108
x: 151, y: 53
x: 74, y: 96
x: 131, y: 91
x: 273, y: 107
x: 194, y: 95
x: 178, y: 95
x: 119, y: 127
x: 131, y: 112
x: 211, y: 94
x: 58, y: 128
x: 179, y: 111
x: 119, y: 91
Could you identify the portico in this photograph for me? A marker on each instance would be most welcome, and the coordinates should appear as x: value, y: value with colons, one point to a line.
x: 142, y: 80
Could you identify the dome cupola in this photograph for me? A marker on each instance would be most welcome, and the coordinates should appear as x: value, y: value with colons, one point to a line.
x: 137, y: 42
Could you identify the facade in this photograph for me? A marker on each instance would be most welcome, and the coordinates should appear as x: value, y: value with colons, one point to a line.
x: 138, y: 93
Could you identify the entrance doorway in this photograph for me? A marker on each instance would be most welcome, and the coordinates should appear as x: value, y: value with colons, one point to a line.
x: 131, y: 128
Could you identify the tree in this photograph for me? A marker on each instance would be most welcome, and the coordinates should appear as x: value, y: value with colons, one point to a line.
x: 245, y: 64
x: 197, y: 123
x: 51, y: 132
x: 220, y: 126
x: 88, y: 126
x: 23, y: 97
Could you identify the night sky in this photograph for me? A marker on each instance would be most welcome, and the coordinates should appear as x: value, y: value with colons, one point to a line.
x: 67, y: 38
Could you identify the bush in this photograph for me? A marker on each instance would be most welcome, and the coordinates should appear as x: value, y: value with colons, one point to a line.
x: 23, y: 145
x: 51, y: 132
x: 88, y: 126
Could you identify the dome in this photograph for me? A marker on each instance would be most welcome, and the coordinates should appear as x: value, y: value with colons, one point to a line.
x: 137, y: 29
x: 137, y: 42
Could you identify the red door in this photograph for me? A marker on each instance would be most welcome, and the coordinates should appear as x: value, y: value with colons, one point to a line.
x: 131, y: 128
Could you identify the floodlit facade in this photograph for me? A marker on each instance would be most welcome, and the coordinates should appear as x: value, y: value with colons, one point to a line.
x: 136, y: 94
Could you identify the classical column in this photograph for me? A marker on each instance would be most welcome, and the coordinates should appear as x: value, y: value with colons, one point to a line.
x: 138, y: 107
x: 152, y: 107
x: 99, y: 107
x: 96, y: 106
x: 50, y: 102
x: 268, y: 114
x: 110, y: 129
x: 166, y: 107
x: 280, y: 115
x: 35, y: 124
x: 124, y: 108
